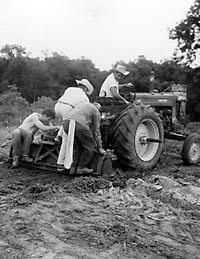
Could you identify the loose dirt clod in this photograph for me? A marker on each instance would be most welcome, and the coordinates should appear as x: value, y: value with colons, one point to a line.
x: 87, y: 184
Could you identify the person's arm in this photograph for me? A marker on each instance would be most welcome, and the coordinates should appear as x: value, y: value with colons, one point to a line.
x: 96, y: 131
x: 116, y: 95
x: 126, y: 85
x: 43, y: 127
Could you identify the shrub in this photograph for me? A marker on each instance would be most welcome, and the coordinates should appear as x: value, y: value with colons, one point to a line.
x: 13, y: 107
x: 43, y: 103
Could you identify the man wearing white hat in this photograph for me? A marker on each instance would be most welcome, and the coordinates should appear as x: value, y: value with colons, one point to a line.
x: 65, y: 104
x: 110, y: 87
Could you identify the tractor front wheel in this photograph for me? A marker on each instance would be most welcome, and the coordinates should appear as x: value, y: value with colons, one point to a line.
x: 191, y: 149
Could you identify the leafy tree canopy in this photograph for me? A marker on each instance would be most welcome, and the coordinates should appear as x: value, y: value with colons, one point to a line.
x: 187, y: 33
x: 13, y: 51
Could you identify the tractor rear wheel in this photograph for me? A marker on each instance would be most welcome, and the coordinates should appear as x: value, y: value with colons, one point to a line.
x: 138, y: 137
x: 191, y: 149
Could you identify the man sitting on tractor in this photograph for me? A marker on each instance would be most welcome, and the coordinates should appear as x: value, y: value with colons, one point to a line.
x: 110, y: 87
x: 23, y: 135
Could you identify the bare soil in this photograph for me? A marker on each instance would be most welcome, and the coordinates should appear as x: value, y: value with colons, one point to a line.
x: 133, y: 215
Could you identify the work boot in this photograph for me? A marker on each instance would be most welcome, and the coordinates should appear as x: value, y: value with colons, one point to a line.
x: 27, y: 159
x: 15, y: 162
x: 72, y: 171
x: 60, y: 168
x: 84, y: 170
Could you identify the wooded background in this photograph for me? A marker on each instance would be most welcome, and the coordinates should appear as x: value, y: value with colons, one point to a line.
x: 29, y: 83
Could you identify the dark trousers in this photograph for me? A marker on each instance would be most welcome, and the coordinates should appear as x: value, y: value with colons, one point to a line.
x: 84, y: 144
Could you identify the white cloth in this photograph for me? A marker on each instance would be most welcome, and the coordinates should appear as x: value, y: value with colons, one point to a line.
x: 109, y: 82
x: 63, y: 111
x: 70, y: 145
x: 62, y: 152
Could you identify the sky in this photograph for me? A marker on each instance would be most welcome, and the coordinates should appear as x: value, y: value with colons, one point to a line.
x: 104, y: 31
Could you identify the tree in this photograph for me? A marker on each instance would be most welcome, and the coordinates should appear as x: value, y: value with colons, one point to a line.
x: 13, y: 51
x: 14, y: 59
x: 187, y: 33
x: 169, y: 71
x: 140, y: 71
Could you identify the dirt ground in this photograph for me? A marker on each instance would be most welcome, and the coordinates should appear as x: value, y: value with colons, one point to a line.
x: 132, y: 215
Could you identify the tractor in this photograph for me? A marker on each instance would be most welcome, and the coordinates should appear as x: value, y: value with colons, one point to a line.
x: 136, y: 133
x: 132, y: 134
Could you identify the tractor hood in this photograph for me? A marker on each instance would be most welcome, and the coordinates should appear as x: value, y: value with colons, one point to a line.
x: 159, y: 99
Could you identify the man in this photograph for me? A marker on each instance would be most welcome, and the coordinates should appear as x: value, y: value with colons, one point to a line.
x: 110, y: 87
x: 86, y: 137
x: 23, y: 135
x: 65, y: 104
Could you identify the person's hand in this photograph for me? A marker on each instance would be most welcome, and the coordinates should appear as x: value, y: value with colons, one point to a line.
x: 102, y: 151
x: 130, y: 85
x: 55, y: 128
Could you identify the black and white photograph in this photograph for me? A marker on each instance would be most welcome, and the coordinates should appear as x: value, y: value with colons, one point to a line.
x: 100, y: 129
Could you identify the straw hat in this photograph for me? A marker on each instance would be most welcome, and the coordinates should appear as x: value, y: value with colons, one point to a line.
x: 87, y: 84
x: 121, y: 69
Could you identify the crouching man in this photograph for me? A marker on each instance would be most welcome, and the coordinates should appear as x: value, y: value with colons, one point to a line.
x: 86, y: 135
x: 24, y: 134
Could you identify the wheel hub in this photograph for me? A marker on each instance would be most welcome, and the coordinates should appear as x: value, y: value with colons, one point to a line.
x: 194, y: 151
x: 144, y: 149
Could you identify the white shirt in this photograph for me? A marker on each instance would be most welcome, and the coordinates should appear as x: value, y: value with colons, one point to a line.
x: 109, y: 82
x: 74, y: 96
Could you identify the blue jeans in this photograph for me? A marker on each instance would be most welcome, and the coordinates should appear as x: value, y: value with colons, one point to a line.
x: 84, y: 144
x: 21, y: 142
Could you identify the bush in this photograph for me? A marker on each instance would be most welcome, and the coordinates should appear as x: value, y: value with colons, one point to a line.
x: 43, y: 103
x: 13, y: 107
